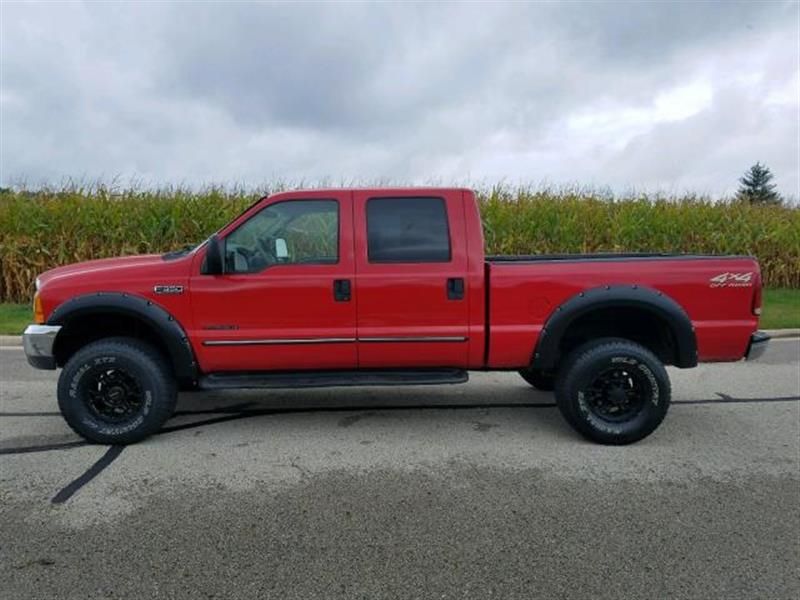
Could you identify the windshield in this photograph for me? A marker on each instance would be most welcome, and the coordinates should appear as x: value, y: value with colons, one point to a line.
x: 188, y: 248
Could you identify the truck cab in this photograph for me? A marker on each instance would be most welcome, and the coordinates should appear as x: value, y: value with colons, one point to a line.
x: 341, y: 280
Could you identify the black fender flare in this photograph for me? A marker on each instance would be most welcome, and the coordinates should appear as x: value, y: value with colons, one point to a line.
x: 148, y: 312
x: 546, y: 354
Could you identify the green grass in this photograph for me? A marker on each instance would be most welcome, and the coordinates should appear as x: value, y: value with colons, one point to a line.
x: 781, y: 310
x: 14, y: 318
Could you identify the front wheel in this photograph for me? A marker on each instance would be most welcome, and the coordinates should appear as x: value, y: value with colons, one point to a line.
x: 116, y: 391
x: 613, y: 391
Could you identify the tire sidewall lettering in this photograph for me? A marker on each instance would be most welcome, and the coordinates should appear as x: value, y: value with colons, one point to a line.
x: 655, y: 391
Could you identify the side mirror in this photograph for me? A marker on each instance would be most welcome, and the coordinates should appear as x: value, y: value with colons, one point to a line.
x: 214, y: 263
x: 281, y: 251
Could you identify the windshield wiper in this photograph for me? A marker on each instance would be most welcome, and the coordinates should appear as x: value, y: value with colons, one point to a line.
x: 173, y: 254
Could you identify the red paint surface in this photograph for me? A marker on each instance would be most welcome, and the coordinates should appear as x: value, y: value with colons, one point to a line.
x: 401, y: 300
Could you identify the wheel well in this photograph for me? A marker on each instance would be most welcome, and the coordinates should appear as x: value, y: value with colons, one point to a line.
x: 84, y: 329
x: 636, y: 324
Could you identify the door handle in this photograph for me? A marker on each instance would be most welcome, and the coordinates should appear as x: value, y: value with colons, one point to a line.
x: 455, y: 288
x: 341, y: 290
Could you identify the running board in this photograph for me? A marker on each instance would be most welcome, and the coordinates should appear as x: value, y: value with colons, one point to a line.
x: 306, y: 379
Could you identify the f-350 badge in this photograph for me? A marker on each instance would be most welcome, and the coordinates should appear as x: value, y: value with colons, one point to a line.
x: 168, y: 289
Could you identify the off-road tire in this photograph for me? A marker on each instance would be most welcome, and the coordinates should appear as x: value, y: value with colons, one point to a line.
x: 541, y: 380
x: 587, y: 369
x: 143, y: 368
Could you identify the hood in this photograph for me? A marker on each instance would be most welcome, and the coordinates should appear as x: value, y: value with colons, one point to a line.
x: 113, y: 267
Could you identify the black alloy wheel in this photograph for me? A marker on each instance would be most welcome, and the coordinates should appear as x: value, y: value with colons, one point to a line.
x: 113, y: 395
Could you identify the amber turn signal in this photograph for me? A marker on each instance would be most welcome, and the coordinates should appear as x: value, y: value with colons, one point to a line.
x: 38, y: 311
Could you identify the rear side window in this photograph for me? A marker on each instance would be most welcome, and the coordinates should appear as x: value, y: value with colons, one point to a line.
x: 407, y: 230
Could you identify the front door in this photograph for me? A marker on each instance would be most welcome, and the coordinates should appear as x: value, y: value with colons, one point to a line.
x: 411, y: 266
x: 285, y: 300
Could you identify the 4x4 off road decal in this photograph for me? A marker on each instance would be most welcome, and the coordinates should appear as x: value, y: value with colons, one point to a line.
x: 732, y: 280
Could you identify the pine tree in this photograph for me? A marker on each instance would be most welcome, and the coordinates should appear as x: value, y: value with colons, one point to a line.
x: 756, y: 187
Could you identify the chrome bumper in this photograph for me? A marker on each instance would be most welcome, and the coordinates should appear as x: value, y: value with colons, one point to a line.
x: 757, y: 346
x: 38, y: 343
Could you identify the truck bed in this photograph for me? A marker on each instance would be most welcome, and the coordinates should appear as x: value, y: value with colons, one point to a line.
x: 524, y: 291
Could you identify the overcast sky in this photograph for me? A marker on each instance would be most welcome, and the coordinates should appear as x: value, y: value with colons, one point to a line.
x: 671, y: 97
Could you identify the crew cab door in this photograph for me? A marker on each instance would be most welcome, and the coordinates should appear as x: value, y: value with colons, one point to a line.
x: 285, y: 301
x: 411, y: 266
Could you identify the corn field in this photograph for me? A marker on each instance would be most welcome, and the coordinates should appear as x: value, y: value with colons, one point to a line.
x: 46, y: 228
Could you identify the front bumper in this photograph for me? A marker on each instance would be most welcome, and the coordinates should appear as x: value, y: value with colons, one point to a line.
x: 757, y: 346
x: 38, y: 343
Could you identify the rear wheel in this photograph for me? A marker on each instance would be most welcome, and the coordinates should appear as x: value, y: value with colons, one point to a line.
x: 116, y: 391
x: 613, y: 391
x: 541, y: 380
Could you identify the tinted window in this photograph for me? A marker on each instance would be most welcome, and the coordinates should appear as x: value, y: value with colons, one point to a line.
x: 291, y: 232
x: 407, y: 230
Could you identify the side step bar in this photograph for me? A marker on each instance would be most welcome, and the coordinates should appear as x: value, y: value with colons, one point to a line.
x: 309, y: 379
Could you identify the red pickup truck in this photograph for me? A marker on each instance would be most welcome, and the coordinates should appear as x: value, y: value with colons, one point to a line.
x: 383, y: 287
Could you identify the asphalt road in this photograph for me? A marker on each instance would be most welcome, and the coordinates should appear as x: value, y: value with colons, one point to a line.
x: 472, y: 491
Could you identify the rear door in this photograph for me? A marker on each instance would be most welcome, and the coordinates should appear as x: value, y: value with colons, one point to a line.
x: 411, y: 266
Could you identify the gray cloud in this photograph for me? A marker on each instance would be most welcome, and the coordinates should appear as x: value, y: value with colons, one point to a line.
x: 671, y: 95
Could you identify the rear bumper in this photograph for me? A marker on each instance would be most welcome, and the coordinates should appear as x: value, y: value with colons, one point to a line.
x: 37, y: 340
x: 757, y: 346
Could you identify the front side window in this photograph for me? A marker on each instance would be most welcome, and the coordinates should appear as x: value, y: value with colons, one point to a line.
x: 285, y: 233
x: 407, y: 230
